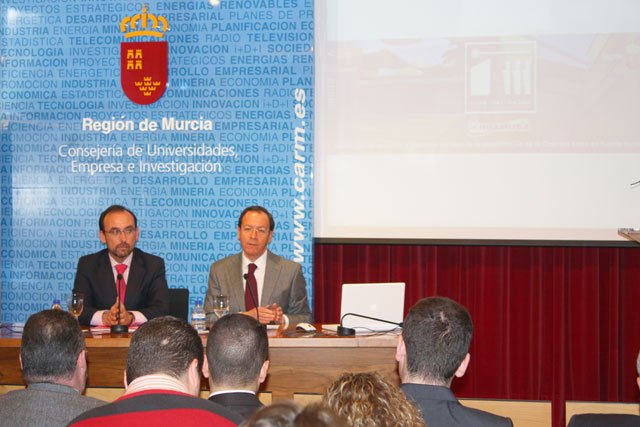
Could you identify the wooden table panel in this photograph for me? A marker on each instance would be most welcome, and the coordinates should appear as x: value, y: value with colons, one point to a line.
x: 311, y: 370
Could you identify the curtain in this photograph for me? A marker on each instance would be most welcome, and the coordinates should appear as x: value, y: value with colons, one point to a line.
x: 550, y: 323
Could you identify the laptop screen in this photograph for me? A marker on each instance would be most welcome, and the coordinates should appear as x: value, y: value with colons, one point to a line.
x: 381, y: 300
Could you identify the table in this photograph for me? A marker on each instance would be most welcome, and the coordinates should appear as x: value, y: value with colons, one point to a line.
x: 299, y: 362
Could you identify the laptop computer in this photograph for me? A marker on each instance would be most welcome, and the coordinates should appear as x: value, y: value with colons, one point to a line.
x: 381, y: 300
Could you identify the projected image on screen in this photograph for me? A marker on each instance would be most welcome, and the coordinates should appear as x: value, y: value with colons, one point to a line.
x: 452, y: 121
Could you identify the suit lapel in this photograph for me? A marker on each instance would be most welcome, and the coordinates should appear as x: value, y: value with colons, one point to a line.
x: 106, y: 278
x: 236, y: 290
x: 136, y: 274
x: 271, y: 275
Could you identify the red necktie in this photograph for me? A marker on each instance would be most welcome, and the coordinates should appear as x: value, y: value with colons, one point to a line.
x: 121, y: 284
x: 252, y: 286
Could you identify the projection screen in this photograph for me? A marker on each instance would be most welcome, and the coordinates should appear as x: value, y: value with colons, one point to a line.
x: 477, y: 119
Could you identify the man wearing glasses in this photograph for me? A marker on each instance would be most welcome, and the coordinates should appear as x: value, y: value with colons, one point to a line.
x: 259, y: 283
x: 121, y: 284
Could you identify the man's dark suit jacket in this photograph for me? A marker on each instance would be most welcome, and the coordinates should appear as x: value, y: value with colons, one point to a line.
x: 147, y: 290
x: 244, y: 404
x: 440, y: 408
x: 604, y: 420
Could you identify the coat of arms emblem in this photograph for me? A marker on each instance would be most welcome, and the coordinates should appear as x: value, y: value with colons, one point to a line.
x: 144, y: 65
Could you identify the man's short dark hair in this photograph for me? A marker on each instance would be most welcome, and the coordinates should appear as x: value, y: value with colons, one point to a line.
x: 51, y: 343
x: 237, y: 347
x: 164, y: 345
x: 437, y: 334
x: 115, y: 208
x: 272, y: 223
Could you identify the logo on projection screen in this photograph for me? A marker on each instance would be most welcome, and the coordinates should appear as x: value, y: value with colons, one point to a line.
x: 144, y: 65
x: 500, y: 77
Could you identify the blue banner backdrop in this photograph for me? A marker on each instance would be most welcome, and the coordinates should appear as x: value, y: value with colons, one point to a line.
x: 232, y: 128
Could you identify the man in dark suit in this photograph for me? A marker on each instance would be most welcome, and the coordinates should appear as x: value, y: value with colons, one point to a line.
x: 280, y: 292
x: 54, y: 367
x: 121, y: 272
x: 237, y: 350
x: 606, y: 420
x: 433, y: 348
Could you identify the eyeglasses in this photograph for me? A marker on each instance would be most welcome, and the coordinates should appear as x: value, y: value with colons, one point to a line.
x: 116, y: 232
x: 262, y: 231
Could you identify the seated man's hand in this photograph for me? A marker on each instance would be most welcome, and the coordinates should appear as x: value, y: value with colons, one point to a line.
x: 266, y: 315
x: 117, y: 315
x: 277, y: 313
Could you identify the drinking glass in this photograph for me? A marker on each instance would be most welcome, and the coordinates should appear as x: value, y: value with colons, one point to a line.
x: 75, y: 303
x: 220, y: 305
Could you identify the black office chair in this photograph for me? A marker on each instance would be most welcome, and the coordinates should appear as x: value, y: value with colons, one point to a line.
x: 179, y: 303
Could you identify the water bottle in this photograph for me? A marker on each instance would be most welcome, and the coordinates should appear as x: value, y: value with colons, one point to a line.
x: 198, y: 318
x: 56, y: 305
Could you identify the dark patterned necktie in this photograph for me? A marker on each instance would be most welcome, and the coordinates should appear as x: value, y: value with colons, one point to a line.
x: 252, y: 286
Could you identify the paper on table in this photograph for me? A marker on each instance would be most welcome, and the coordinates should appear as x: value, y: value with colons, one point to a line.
x: 104, y: 329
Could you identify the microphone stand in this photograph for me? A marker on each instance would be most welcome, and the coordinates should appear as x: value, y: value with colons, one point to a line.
x: 119, y: 329
x: 346, y: 332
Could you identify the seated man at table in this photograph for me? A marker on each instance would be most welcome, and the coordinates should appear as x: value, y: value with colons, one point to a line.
x: 237, y: 350
x: 162, y: 382
x: 433, y: 348
x: 606, y: 420
x: 258, y: 277
x: 121, y: 284
x: 54, y: 367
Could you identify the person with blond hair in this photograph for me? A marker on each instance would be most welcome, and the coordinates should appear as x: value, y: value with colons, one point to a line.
x: 369, y: 400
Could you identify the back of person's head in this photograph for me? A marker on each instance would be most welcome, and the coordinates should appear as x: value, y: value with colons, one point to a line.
x: 279, y: 414
x: 164, y: 345
x: 51, y: 343
x: 237, y: 348
x: 368, y: 400
x: 319, y: 415
x: 437, y: 335
x: 292, y: 414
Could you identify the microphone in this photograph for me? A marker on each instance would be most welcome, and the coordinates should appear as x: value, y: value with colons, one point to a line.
x: 119, y: 329
x: 346, y: 332
x: 253, y: 298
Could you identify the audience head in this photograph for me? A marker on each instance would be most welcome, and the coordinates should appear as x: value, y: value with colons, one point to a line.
x: 166, y: 345
x: 318, y: 415
x: 292, y: 414
x: 368, y: 400
x: 280, y: 414
x: 435, y: 342
x: 53, y: 350
x: 237, y: 351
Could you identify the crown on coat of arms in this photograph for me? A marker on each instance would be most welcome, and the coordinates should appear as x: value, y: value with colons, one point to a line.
x: 144, y: 24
